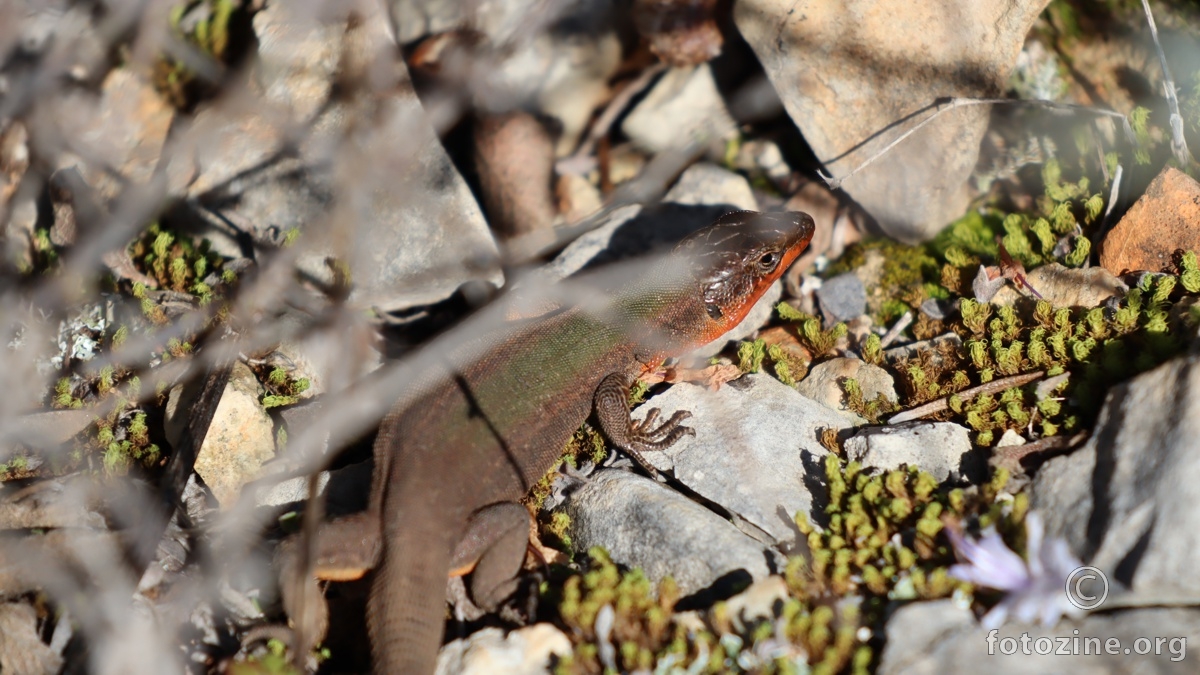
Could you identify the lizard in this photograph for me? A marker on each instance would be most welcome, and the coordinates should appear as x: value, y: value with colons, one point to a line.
x: 451, y: 464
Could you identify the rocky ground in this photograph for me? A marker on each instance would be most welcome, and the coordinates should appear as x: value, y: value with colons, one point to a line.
x: 960, y: 435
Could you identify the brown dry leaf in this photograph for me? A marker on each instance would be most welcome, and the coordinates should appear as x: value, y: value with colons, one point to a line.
x: 711, y: 376
x: 122, y: 267
x: 542, y: 554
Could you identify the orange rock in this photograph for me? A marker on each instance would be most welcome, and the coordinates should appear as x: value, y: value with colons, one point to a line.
x: 1163, y: 220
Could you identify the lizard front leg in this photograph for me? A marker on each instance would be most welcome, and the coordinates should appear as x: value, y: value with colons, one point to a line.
x: 611, y: 404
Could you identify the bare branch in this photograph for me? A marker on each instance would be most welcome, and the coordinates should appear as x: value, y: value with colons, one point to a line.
x: 942, y: 105
x: 943, y: 403
x: 1178, y: 142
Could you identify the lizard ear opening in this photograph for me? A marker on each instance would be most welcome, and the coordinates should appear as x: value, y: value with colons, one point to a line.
x: 714, y: 310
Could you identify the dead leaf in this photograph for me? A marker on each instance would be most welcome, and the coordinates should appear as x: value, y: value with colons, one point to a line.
x: 988, y: 281
x: 711, y: 376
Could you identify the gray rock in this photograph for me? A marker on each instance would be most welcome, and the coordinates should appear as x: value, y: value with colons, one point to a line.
x: 756, y: 451
x: 823, y: 383
x: 705, y: 183
x: 126, y: 126
x: 941, y: 449
x: 1065, y: 286
x: 45, y: 429
x: 1010, y: 438
x: 404, y: 221
x: 683, y: 107
x: 643, y: 524
x: 525, y: 651
x: 1126, y: 501
x: 847, y: 70
x: 842, y: 298
x: 987, y: 283
x: 940, y: 637
x: 603, y: 244
x: 417, y: 18
x: 290, y: 491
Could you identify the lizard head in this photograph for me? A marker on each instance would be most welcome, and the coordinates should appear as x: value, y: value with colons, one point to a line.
x: 738, y: 257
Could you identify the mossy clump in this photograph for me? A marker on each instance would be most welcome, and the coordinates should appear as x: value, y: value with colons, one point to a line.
x: 44, y: 255
x: 751, y: 354
x: 121, y: 435
x: 586, y: 443
x: 820, y: 342
x: 125, y: 440
x: 869, y: 409
x: 639, y: 629
x: 908, y: 276
x: 212, y: 26
x: 618, y: 624
x: 17, y: 467
x: 176, y: 262
x: 858, y: 551
x: 883, y: 540
x: 1099, y: 347
x: 271, y: 659
x: 282, y: 388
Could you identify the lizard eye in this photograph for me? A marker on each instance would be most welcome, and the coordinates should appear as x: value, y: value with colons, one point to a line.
x: 714, y: 310
x: 768, y: 261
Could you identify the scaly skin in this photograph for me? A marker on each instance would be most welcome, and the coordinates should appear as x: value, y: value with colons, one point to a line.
x: 492, y: 426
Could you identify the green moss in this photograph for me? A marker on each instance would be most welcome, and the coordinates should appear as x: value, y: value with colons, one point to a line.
x: 1098, y: 346
x: 788, y: 368
x: 174, y: 261
x: 871, y: 410
x: 883, y: 542
x: 273, y: 660
x: 642, y: 623
x: 213, y: 35
x: 585, y: 443
x: 283, y: 389
x: 751, y: 355
x: 64, y: 396
x: 646, y: 636
x: 819, y: 342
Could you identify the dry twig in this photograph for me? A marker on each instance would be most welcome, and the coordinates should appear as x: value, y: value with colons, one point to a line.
x: 944, y: 402
x: 943, y: 104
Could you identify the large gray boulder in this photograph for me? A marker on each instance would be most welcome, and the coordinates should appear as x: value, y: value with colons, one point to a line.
x: 851, y: 72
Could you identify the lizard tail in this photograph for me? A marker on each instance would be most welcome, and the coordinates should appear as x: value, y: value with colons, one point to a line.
x: 407, y: 606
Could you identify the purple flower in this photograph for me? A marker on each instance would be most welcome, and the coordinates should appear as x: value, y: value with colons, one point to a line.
x: 1035, y: 588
